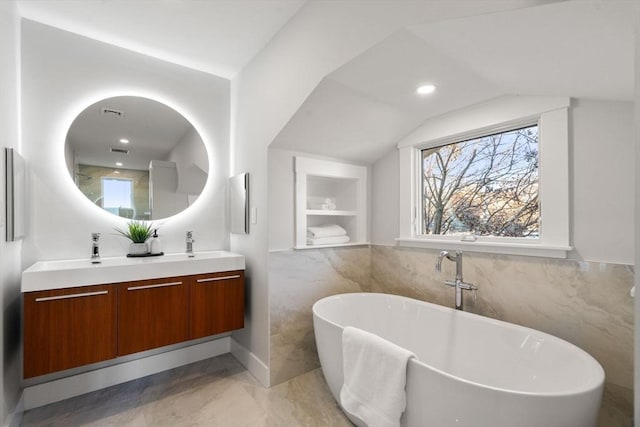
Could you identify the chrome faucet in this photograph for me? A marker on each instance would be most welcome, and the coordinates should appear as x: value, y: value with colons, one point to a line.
x: 95, y: 248
x: 190, y: 241
x: 458, y: 283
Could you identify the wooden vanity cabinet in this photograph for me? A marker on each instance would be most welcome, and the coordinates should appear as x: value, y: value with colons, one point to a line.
x: 152, y: 313
x: 217, y: 303
x: 66, y: 328
x: 71, y: 327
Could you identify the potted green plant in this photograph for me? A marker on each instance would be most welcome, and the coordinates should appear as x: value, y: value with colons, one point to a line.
x: 138, y: 232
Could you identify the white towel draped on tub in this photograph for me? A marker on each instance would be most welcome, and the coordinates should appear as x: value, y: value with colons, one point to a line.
x: 375, y: 375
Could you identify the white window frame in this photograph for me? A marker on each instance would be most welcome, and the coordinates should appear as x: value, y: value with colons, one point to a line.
x: 497, y: 115
x: 131, y: 185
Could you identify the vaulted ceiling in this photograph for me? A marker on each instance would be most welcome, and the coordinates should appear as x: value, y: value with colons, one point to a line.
x: 582, y: 49
x: 219, y: 36
x: 577, y: 48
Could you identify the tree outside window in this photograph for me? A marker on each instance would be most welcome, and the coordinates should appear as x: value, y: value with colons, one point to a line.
x: 487, y: 186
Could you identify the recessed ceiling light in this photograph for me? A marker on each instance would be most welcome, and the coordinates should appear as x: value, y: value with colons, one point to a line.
x: 425, y: 89
x: 118, y: 163
x: 124, y: 140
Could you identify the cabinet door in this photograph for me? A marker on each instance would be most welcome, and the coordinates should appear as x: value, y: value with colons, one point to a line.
x: 217, y: 303
x: 152, y: 313
x: 65, y: 328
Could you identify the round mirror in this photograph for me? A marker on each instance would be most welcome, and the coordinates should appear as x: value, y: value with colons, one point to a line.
x: 136, y: 158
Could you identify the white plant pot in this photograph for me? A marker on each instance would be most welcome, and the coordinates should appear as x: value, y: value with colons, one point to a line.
x: 138, y: 249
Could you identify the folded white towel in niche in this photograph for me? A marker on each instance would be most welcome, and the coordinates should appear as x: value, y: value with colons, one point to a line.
x: 328, y: 230
x: 334, y: 240
x: 375, y: 375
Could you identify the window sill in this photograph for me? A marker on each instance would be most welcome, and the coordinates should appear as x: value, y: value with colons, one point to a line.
x: 524, y: 249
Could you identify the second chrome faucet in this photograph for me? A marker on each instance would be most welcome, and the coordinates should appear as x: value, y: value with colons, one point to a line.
x: 458, y: 283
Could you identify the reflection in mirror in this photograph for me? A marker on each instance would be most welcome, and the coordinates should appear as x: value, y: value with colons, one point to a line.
x: 136, y: 158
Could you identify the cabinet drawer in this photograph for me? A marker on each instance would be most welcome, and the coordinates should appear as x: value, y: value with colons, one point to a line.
x: 152, y: 313
x: 66, y: 328
x: 217, y: 303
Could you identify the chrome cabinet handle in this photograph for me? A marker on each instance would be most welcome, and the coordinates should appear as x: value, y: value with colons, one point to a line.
x: 159, y: 285
x: 84, y: 294
x: 212, y: 279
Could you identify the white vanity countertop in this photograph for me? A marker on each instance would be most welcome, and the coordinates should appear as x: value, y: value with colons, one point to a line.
x: 46, y: 275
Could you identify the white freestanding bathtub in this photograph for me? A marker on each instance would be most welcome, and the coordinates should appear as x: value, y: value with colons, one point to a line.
x: 469, y: 370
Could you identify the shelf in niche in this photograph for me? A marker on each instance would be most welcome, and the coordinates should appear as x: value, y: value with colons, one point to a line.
x: 344, y: 184
x: 325, y: 212
x: 340, y: 245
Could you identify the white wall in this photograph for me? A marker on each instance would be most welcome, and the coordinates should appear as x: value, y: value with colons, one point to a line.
x: 10, y: 375
x: 281, y: 199
x: 265, y: 95
x: 163, y: 182
x: 602, y: 160
x: 385, y: 199
x: 636, y: 405
x: 601, y: 157
x: 281, y: 188
x: 62, y: 73
x: 321, y: 37
x: 190, y: 157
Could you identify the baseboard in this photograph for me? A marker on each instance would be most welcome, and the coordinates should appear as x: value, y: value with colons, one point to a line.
x: 64, y: 388
x: 250, y: 361
x: 15, y: 417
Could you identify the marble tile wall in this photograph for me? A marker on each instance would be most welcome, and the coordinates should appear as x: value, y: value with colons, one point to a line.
x: 297, y: 279
x: 585, y: 303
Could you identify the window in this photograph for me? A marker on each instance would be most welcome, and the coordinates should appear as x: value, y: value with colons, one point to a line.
x: 117, y: 195
x: 485, y: 186
x: 492, y: 177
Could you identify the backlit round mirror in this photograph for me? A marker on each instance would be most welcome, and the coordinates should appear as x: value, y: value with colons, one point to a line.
x: 136, y: 158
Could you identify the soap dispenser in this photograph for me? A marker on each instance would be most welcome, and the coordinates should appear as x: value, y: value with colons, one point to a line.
x: 156, y: 245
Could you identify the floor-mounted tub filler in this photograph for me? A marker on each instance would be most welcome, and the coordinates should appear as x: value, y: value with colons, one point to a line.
x: 468, y: 370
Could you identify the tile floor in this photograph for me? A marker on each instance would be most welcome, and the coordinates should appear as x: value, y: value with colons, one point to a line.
x: 213, y: 392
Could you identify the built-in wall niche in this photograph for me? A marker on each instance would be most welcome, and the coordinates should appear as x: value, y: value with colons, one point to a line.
x: 330, y: 193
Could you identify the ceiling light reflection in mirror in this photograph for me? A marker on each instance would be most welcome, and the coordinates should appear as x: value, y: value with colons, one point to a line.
x: 136, y: 158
